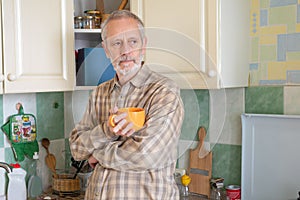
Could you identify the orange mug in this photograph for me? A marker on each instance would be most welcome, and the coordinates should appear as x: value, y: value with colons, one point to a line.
x: 134, y: 115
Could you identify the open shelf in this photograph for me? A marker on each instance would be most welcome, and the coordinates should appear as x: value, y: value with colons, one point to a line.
x: 87, y: 30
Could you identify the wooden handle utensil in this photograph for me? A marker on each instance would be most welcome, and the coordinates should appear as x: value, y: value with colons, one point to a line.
x: 200, y: 167
x: 50, y: 158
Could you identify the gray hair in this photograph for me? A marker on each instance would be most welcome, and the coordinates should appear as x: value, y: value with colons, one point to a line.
x: 120, y: 14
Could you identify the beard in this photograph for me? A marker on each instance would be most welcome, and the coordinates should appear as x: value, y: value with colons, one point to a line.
x: 126, y: 68
x: 125, y: 71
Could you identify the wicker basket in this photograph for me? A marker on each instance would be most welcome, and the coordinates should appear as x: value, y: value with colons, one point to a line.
x: 65, y: 184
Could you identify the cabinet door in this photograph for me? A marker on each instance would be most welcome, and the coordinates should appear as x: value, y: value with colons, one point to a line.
x: 201, y: 44
x: 227, y: 41
x: 38, y: 45
x: 176, y: 40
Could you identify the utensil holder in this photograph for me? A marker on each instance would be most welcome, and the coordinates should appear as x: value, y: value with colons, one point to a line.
x: 64, y: 184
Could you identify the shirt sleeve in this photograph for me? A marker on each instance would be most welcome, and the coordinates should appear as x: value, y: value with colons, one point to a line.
x: 155, y: 145
x: 89, y: 134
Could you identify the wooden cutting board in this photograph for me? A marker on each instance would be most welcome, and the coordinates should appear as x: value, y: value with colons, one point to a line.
x: 200, y: 168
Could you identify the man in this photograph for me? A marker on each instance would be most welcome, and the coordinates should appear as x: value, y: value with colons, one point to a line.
x: 128, y: 164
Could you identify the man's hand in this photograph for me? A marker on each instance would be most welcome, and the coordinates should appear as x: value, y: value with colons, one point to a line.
x: 122, y: 127
x: 92, y: 161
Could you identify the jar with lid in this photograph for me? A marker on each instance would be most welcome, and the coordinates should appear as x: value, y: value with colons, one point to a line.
x: 89, y: 22
x: 94, y: 13
x: 78, y: 22
x: 97, y: 22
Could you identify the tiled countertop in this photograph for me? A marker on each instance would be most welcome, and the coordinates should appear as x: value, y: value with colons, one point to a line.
x: 63, y: 197
x: 192, y: 196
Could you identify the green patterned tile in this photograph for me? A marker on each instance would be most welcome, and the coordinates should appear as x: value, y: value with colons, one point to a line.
x: 268, y: 53
x: 9, y: 155
x: 196, y: 106
x: 50, y: 115
x: 254, y: 49
x: 276, y: 17
x: 203, y: 101
x: 292, y: 56
x: 264, y: 100
x: 67, y: 154
x: 264, y: 3
x: 227, y: 163
x: 263, y: 71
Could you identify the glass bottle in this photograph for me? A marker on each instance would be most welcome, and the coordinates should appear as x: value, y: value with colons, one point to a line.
x: 185, y: 180
x: 217, y: 191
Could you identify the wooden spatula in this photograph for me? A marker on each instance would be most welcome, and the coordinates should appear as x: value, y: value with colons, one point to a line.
x: 50, y: 158
x: 200, y: 167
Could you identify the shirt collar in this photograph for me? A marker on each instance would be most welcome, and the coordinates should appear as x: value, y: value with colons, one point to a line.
x: 138, y: 80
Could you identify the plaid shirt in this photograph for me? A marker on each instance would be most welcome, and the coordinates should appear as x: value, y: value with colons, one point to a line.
x: 140, y: 166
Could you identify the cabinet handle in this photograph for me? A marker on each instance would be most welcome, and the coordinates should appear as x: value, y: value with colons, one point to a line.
x: 212, y: 73
x: 11, y: 77
x: 1, y: 77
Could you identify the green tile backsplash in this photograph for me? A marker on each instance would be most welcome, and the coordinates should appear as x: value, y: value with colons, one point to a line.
x: 50, y: 115
x: 196, y: 106
x: 227, y: 163
x: 264, y: 100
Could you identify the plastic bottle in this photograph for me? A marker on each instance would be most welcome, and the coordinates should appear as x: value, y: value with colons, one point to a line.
x: 185, y: 180
x: 16, y: 185
x: 34, y: 182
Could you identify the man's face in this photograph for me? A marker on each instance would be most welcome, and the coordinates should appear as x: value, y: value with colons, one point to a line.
x: 124, y: 45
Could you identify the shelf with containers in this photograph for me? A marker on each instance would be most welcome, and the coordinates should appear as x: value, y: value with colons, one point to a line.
x: 92, y: 65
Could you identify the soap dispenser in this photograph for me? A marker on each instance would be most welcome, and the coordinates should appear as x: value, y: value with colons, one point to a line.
x: 16, y: 185
x: 34, y: 187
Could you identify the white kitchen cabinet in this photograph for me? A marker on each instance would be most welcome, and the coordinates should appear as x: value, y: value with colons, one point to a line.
x: 201, y: 44
x: 38, y: 46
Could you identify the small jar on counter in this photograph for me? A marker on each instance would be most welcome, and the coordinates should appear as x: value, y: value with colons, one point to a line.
x: 217, y: 190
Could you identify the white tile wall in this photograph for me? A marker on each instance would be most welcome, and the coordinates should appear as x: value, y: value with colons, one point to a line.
x: 2, y: 173
x: 232, y: 130
x: 75, y: 105
x: 291, y: 100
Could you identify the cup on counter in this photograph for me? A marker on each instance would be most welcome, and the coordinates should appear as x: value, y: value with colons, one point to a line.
x: 134, y: 115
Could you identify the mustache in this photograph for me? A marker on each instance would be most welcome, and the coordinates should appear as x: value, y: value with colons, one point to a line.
x: 126, y: 58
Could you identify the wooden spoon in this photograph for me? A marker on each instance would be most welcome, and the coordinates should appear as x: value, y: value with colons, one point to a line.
x: 50, y: 158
